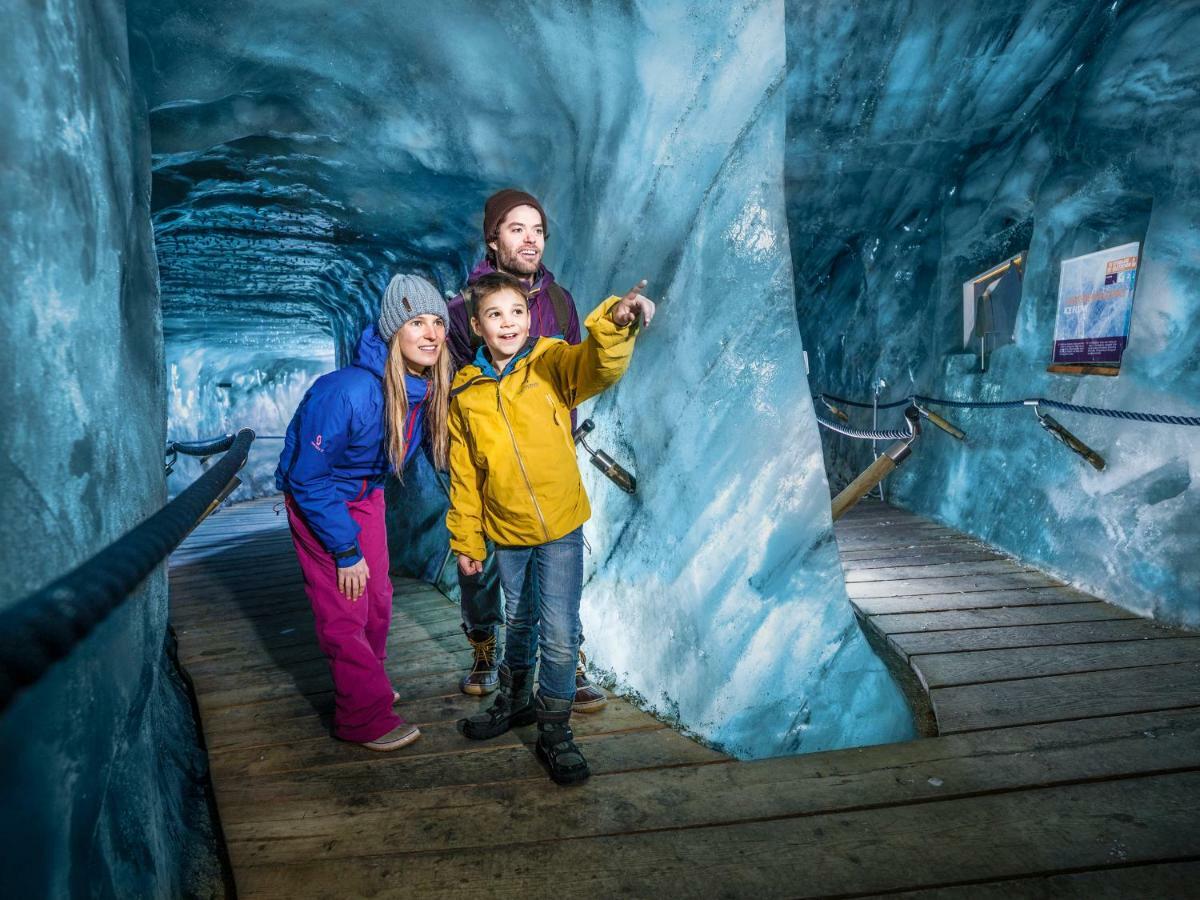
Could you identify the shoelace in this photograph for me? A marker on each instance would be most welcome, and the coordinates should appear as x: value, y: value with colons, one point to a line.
x: 485, y: 651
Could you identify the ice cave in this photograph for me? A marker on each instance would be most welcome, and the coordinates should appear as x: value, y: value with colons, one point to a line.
x: 935, y: 262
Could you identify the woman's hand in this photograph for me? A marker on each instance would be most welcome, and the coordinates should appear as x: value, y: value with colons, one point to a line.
x: 625, y: 311
x: 352, y: 580
x: 468, y: 566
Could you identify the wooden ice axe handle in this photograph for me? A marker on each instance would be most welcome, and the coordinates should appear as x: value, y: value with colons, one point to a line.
x: 870, y: 477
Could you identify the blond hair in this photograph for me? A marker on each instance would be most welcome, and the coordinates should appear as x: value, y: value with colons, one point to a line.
x: 437, y: 404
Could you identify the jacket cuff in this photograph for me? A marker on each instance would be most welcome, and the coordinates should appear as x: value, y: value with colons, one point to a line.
x: 473, y: 547
x: 347, y: 557
x: 603, y: 328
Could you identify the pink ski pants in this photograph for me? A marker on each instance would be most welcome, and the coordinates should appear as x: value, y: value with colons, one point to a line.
x: 353, y: 634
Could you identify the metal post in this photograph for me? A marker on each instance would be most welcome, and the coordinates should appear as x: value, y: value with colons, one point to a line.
x: 879, y: 385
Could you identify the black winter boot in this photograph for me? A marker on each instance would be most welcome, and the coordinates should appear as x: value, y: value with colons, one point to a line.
x: 482, y: 679
x: 512, y: 707
x: 556, y: 744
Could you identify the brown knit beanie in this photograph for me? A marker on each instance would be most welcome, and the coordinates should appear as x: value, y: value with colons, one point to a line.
x: 501, y: 203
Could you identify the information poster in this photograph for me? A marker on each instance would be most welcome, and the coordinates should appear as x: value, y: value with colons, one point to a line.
x: 1095, y: 306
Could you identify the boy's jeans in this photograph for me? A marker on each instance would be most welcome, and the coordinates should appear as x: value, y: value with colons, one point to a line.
x: 547, y: 617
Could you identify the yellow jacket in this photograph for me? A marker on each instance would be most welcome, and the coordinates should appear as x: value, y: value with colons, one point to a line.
x: 514, y: 477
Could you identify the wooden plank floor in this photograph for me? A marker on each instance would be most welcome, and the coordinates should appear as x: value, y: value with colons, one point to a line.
x: 1068, y: 765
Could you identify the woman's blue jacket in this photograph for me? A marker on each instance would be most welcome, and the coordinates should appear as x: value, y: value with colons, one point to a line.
x: 335, y: 448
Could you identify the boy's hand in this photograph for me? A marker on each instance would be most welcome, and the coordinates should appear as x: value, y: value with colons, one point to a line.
x: 352, y: 580
x: 626, y: 310
x: 468, y: 566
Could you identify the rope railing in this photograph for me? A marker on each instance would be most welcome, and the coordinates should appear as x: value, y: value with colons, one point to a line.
x: 1130, y: 415
x: 205, y: 448
x: 1052, y: 426
x: 46, y: 626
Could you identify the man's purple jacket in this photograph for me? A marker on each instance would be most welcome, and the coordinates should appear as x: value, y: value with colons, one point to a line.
x: 542, y: 321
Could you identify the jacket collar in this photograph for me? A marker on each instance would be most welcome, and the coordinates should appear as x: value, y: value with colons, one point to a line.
x: 484, y: 360
x: 485, y: 371
x: 416, y: 388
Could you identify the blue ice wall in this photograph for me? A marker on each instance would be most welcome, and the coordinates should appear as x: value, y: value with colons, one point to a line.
x: 927, y: 143
x: 296, y: 166
x: 99, y: 764
x: 716, y: 592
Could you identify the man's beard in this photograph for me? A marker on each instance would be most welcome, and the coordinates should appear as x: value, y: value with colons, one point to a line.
x: 514, y: 264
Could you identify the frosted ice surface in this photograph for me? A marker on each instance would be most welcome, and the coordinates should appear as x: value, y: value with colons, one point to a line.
x: 1045, y: 127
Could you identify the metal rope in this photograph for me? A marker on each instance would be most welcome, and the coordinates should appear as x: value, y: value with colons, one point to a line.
x: 860, y: 433
x: 1156, y: 418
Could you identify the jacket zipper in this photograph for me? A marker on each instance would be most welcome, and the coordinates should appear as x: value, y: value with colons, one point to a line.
x: 521, y: 463
x: 411, y: 424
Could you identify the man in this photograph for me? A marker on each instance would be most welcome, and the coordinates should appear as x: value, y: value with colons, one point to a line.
x: 514, y: 234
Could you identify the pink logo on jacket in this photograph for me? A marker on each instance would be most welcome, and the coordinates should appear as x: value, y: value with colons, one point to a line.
x: 317, y: 445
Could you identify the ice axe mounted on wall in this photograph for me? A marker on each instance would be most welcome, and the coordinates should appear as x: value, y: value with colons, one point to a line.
x: 1056, y: 430
x: 887, y: 463
x: 602, y: 461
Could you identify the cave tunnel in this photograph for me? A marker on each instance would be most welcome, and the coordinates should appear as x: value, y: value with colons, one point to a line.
x: 859, y: 220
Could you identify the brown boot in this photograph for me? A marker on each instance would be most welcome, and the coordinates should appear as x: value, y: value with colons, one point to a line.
x: 482, y: 679
x: 588, y: 697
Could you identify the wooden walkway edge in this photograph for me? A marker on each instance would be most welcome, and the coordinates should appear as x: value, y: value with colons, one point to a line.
x: 1068, y: 761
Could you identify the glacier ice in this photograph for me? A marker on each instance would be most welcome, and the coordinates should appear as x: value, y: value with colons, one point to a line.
x: 213, y: 390
x: 974, y: 133
x: 101, y: 764
x: 293, y: 173
x: 842, y: 168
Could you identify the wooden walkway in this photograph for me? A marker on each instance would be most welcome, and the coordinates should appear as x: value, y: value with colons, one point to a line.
x: 1068, y: 764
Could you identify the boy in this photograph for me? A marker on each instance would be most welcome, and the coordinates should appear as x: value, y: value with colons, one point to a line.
x: 514, y: 479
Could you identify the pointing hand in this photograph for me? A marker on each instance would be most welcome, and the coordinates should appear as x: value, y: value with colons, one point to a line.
x: 626, y: 310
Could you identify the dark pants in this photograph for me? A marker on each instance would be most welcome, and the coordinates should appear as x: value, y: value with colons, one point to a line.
x: 480, y: 599
x: 479, y: 596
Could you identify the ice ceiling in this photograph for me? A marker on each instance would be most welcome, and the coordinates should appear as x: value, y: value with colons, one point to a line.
x: 305, y: 151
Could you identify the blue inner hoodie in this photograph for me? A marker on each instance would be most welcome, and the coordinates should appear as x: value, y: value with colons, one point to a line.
x: 335, y: 447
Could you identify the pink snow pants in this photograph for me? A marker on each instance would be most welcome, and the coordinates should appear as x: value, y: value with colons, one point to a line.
x: 353, y: 634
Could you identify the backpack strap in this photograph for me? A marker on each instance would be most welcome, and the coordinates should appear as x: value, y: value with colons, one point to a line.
x: 562, y: 309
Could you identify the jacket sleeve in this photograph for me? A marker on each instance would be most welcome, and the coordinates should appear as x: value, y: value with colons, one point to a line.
x: 464, y: 520
x: 459, y: 328
x: 584, y: 370
x: 322, y: 436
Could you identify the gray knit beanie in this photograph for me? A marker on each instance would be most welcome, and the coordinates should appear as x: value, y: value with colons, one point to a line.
x: 406, y: 297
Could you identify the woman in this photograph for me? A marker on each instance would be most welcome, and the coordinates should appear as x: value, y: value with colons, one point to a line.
x: 350, y: 428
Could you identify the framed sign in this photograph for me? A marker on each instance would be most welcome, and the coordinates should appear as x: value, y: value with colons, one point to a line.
x: 1095, y: 307
x: 990, y: 304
